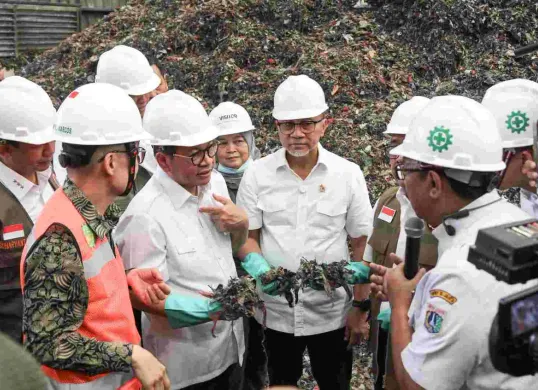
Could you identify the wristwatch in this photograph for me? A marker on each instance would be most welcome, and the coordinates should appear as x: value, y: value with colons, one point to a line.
x: 363, y: 305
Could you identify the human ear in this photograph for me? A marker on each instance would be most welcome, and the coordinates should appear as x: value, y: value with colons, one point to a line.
x: 164, y: 162
x: 436, y: 184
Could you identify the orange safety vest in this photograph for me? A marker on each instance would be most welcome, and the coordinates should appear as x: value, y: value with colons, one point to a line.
x: 109, y: 316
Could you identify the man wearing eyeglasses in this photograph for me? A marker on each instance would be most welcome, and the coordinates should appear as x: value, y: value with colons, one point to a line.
x: 441, y: 319
x: 304, y: 201
x: 184, y: 224
x: 391, y: 211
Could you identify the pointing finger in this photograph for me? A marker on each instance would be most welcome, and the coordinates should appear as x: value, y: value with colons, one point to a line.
x: 211, y: 210
x: 222, y: 199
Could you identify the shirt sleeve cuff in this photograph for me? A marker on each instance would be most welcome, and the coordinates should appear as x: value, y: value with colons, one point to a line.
x: 254, y: 223
x: 357, y: 232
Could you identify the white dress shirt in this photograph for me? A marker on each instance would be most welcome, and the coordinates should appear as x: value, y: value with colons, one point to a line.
x: 309, y: 218
x: 449, y: 346
x: 31, y: 196
x: 162, y: 228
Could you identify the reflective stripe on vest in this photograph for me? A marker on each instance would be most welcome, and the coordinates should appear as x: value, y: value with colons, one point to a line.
x: 109, y: 315
x: 100, y: 257
x: 115, y: 380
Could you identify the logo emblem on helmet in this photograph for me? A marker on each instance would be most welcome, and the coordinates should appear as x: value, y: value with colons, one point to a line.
x: 517, y: 122
x: 440, y: 139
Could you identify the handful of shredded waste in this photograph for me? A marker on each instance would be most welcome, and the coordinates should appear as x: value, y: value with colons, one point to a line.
x: 327, y: 277
x: 286, y: 283
x: 238, y: 299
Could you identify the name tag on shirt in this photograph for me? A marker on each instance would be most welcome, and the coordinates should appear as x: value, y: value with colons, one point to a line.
x: 12, y: 232
x: 386, y: 214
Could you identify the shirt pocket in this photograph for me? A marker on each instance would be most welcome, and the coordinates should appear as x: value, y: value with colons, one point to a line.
x: 330, y: 216
x: 183, y: 263
x: 274, y: 212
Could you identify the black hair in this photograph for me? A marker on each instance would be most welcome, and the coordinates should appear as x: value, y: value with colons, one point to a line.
x: 76, y: 156
x: 167, y: 149
x: 15, y: 144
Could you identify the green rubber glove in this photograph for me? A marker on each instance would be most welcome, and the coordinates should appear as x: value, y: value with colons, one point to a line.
x: 384, y: 318
x: 361, y: 273
x: 184, y: 311
x: 255, y: 265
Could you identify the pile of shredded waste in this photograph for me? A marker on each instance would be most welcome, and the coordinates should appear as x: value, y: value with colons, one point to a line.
x: 368, y: 60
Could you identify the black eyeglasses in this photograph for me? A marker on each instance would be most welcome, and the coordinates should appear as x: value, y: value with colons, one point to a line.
x: 307, y: 127
x: 401, y: 171
x: 198, y: 157
x: 139, y: 153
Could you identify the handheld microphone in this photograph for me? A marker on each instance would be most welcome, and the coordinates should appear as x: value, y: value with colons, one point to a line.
x: 414, y: 228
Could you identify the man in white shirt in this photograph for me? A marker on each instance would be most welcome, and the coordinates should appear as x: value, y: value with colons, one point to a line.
x: 184, y: 224
x: 440, y: 335
x: 26, y: 149
x: 304, y: 201
x: 391, y: 211
x: 514, y: 103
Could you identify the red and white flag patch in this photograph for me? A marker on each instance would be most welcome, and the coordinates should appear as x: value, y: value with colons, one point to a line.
x: 386, y: 214
x: 11, y: 232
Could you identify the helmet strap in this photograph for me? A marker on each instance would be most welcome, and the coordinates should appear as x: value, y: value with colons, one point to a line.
x: 507, y: 156
x: 132, y: 169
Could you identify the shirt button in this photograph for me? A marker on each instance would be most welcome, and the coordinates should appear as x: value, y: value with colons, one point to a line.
x: 302, y: 189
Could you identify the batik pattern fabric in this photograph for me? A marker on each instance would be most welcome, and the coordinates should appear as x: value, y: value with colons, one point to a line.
x: 56, y: 298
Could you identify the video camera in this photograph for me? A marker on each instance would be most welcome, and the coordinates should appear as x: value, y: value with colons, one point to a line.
x: 510, y: 253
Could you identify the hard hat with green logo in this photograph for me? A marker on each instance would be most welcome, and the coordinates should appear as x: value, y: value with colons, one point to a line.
x: 404, y: 114
x: 454, y: 132
x: 514, y: 104
x: 26, y: 112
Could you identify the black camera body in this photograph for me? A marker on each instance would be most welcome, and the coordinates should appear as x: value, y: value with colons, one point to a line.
x: 509, y: 252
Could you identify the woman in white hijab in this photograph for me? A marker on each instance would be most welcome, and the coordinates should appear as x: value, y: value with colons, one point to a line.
x: 236, y: 143
x: 235, y: 153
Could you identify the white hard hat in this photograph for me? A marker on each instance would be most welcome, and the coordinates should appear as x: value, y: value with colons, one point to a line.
x: 404, y: 114
x: 25, y: 115
x: 454, y: 132
x: 174, y: 118
x: 99, y: 114
x: 231, y: 118
x: 299, y: 97
x: 30, y: 87
x: 514, y: 104
x: 127, y: 68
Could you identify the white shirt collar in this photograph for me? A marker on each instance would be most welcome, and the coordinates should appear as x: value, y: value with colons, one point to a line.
x: 18, y: 184
x: 445, y: 241
x: 176, y: 192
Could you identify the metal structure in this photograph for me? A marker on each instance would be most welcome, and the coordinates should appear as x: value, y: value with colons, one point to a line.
x: 40, y: 24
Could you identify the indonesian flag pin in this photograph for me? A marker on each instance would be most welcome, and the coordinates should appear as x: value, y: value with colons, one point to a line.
x: 321, y: 188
